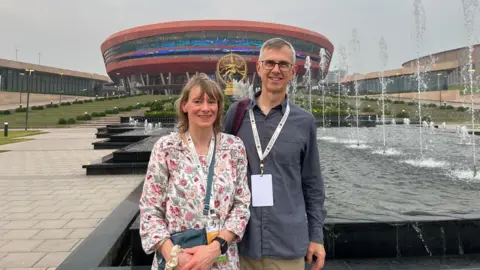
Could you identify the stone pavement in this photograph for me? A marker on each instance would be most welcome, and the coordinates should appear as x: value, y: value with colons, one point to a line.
x: 47, y: 203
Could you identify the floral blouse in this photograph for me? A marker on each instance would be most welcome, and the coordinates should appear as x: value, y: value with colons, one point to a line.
x: 174, y: 193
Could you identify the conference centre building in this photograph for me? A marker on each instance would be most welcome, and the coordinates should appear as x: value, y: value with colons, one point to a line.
x: 24, y: 77
x: 443, y: 76
x: 163, y: 56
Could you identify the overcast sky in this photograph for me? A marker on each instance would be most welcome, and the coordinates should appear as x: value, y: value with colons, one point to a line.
x: 68, y: 34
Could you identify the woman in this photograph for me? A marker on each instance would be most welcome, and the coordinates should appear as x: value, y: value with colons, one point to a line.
x: 175, y: 184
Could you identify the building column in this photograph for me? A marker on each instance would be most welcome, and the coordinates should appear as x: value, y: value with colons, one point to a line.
x: 163, y: 79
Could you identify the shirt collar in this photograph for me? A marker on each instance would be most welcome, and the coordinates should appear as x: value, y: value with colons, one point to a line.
x: 254, y: 103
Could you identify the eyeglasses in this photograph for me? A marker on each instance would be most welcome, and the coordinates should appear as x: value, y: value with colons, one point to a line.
x: 282, y: 65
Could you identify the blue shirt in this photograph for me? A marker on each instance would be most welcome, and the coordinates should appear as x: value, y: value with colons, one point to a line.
x: 284, y: 230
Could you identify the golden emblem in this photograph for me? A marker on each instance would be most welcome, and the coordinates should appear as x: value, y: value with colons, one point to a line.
x: 229, y: 68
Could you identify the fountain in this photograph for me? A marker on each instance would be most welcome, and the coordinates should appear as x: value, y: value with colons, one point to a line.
x: 470, y: 8
x: 420, y: 19
x: 307, y: 79
x: 323, y: 68
x: 383, y: 84
x: 355, y: 46
x: 343, y: 66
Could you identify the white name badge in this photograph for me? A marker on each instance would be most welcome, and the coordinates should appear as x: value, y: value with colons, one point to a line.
x: 262, y: 190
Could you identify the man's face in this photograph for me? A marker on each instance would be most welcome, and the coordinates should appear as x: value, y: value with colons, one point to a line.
x: 276, y: 69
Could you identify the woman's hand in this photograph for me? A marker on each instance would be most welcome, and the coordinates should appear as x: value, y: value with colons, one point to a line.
x: 202, y: 258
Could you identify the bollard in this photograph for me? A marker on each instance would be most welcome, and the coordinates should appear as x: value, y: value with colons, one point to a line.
x: 5, y: 129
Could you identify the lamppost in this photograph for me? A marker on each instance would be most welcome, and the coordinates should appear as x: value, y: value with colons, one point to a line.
x: 28, y: 96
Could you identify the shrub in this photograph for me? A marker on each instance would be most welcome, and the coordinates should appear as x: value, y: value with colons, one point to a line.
x: 160, y: 114
x: 62, y: 121
x: 403, y: 114
x: 367, y: 109
x: 71, y: 121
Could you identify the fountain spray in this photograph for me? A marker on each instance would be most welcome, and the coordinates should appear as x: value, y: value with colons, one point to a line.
x: 469, y: 10
x: 420, y: 19
x: 355, y: 46
x: 343, y: 64
x: 383, y: 83
x: 323, y: 67
x: 308, y: 81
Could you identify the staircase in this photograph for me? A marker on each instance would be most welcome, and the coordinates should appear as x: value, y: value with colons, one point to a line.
x: 109, y: 120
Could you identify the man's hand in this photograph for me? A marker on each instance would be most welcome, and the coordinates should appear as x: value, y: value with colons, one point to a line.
x: 183, y: 259
x: 319, y: 251
x: 202, y: 258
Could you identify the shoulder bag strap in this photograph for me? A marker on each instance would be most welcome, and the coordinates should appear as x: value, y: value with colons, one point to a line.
x: 206, y: 207
x: 239, y: 114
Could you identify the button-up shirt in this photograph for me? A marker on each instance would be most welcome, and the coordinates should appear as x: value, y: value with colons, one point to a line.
x: 285, y: 229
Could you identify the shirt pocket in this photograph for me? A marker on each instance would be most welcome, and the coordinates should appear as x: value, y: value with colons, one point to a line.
x: 288, y: 152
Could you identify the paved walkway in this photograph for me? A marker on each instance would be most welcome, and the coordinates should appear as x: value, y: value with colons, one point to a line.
x: 47, y: 203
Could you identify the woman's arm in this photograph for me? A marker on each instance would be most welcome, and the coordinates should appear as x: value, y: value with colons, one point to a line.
x: 152, y: 210
x: 238, y: 217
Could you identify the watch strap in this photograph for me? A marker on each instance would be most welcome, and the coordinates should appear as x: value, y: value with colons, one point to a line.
x: 223, y: 244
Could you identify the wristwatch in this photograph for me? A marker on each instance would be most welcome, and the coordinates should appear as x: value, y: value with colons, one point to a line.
x: 223, y: 244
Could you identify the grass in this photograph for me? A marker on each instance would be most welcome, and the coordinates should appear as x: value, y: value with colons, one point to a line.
x: 49, y: 116
x: 15, y: 136
x: 436, y: 114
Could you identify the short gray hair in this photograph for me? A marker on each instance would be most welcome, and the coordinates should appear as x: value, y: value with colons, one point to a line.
x: 278, y: 43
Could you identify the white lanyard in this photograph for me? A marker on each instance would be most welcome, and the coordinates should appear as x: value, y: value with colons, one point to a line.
x: 196, y: 160
x: 263, y: 155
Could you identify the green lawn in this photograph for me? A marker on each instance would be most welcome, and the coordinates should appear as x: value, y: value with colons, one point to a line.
x: 436, y: 114
x: 18, y: 136
x: 49, y: 116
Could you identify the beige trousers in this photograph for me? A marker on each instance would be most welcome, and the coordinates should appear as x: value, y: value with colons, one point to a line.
x: 271, y: 264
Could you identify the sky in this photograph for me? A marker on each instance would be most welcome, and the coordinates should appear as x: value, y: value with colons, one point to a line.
x: 68, y: 34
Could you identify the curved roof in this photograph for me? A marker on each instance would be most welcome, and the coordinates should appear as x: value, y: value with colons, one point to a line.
x: 198, y: 25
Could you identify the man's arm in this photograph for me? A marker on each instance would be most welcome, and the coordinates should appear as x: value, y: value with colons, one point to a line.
x: 313, y: 186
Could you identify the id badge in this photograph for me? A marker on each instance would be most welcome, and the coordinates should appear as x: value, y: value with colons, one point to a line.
x: 213, y: 230
x: 262, y: 190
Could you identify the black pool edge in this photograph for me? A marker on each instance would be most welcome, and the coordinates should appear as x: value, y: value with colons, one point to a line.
x: 102, y: 247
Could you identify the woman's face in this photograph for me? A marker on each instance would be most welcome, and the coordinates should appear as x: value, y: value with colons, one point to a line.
x: 201, y: 109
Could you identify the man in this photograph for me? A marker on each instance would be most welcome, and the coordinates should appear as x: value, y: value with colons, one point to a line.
x: 287, y: 211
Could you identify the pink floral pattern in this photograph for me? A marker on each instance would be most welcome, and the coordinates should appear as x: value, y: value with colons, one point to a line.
x: 174, y: 192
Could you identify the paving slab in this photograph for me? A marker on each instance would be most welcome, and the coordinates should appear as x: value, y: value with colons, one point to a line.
x: 48, y: 204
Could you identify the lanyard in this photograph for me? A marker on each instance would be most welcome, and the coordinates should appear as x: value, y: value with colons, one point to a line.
x: 263, y: 155
x: 196, y: 160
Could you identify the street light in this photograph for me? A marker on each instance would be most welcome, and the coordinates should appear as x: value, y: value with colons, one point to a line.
x: 28, y: 96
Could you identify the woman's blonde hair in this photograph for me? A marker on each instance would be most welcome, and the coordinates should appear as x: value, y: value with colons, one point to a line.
x: 208, y: 87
